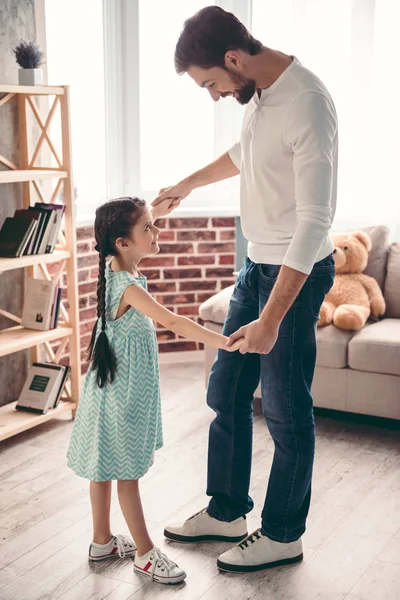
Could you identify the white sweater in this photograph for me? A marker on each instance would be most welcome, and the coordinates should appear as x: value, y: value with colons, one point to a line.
x: 287, y: 158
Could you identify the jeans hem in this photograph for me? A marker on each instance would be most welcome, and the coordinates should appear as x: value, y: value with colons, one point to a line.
x: 280, y: 539
x: 218, y: 518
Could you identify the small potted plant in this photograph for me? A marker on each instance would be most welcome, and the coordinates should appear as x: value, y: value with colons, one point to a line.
x: 29, y: 57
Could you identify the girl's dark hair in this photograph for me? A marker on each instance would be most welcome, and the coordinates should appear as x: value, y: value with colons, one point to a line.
x: 208, y: 35
x: 114, y: 220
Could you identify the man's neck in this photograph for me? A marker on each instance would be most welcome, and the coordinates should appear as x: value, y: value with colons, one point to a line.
x: 267, y: 67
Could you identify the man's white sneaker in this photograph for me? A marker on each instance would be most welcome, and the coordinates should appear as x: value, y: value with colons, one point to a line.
x: 201, y: 527
x: 158, y: 567
x: 118, y: 547
x: 258, y: 552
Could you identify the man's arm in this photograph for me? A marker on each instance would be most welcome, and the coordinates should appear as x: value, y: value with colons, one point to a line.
x: 311, y: 130
x: 260, y: 335
x: 284, y: 293
x: 224, y: 167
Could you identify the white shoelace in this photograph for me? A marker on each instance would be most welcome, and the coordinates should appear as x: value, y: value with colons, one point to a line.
x: 162, y: 561
x: 121, y: 542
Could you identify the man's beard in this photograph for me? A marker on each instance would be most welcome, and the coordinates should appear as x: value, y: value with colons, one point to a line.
x: 247, y: 87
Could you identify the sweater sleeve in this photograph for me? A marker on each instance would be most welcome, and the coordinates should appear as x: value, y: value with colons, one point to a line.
x: 235, y: 154
x: 311, y: 130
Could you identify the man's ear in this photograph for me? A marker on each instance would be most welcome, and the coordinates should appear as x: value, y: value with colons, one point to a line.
x: 233, y: 60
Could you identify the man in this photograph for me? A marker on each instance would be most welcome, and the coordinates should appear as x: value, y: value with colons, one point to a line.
x: 287, y: 160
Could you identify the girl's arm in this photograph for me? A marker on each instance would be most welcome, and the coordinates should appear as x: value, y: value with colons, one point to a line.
x: 164, y: 208
x: 140, y: 299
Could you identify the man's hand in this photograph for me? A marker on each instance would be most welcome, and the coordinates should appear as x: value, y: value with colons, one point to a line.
x: 164, y: 208
x: 175, y: 192
x: 259, y: 338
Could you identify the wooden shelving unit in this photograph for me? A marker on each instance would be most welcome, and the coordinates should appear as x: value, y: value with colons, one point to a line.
x: 16, y: 176
x: 29, y: 175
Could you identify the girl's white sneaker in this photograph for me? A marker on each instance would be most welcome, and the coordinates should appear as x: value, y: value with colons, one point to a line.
x: 158, y: 567
x: 118, y: 547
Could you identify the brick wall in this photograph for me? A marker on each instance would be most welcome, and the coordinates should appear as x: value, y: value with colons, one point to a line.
x: 196, y: 259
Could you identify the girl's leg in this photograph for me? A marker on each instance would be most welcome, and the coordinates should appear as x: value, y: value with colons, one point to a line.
x: 100, y: 497
x: 131, y: 506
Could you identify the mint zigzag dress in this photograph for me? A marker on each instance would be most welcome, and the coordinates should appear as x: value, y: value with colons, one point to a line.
x: 118, y: 428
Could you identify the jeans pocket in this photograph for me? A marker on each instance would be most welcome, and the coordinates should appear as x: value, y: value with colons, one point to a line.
x: 269, y: 273
x: 245, y: 284
x: 319, y: 287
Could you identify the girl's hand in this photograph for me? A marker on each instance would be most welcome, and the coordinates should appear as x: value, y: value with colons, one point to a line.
x: 165, y: 207
x: 175, y: 192
x: 235, y: 346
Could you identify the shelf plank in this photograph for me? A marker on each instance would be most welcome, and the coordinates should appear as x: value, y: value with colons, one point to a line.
x: 15, y: 421
x: 21, y: 175
x: 8, y: 264
x: 33, y: 90
x: 18, y: 338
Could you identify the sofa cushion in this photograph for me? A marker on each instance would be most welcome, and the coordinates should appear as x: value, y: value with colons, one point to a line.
x: 376, y: 348
x: 332, y: 344
x: 215, y: 308
x: 377, y: 258
x: 392, y: 282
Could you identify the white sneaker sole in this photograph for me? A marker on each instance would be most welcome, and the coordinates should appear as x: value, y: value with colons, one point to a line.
x: 191, y: 539
x: 159, y: 579
x: 228, y: 568
x: 110, y: 557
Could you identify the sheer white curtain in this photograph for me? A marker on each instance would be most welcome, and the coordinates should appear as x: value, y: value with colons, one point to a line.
x: 74, y: 56
x: 350, y: 45
x: 161, y: 127
x: 176, y: 119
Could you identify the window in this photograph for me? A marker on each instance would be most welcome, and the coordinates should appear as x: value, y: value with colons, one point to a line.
x: 161, y: 127
x: 137, y: 126
x: 349, y: 45
x: 176, y: 117
x: 74, y: 56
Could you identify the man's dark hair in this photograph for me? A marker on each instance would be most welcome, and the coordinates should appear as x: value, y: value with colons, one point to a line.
x: 208, y: 35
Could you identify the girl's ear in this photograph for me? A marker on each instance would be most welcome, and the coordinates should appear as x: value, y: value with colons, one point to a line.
x: 121, y: 244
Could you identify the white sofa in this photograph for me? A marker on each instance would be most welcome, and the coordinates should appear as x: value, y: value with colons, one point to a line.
x: 356, y: 372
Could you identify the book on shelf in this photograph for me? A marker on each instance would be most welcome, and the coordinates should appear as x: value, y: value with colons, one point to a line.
x: 15, y: 235
x: 32, y: 230
x: 43, y: 387
x: 56, y: 310
x: 53, y: 214
x: 34, y: 249
x: 57, y: 217
x: 29, y: 215
x: 41, y: 305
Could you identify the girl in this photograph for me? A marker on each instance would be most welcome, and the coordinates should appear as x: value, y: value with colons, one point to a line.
x: 118, y: 422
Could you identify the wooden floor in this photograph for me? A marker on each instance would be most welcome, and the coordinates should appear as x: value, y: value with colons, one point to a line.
x: 352, y: 545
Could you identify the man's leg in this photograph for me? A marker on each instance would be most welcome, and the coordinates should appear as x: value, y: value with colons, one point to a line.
x: 286, y: 379
x: 233, y: 381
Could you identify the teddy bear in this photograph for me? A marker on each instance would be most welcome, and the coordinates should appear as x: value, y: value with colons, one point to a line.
x: 354, y: 296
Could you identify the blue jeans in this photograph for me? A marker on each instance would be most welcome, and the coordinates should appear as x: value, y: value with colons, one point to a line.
x: 286, y: 378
